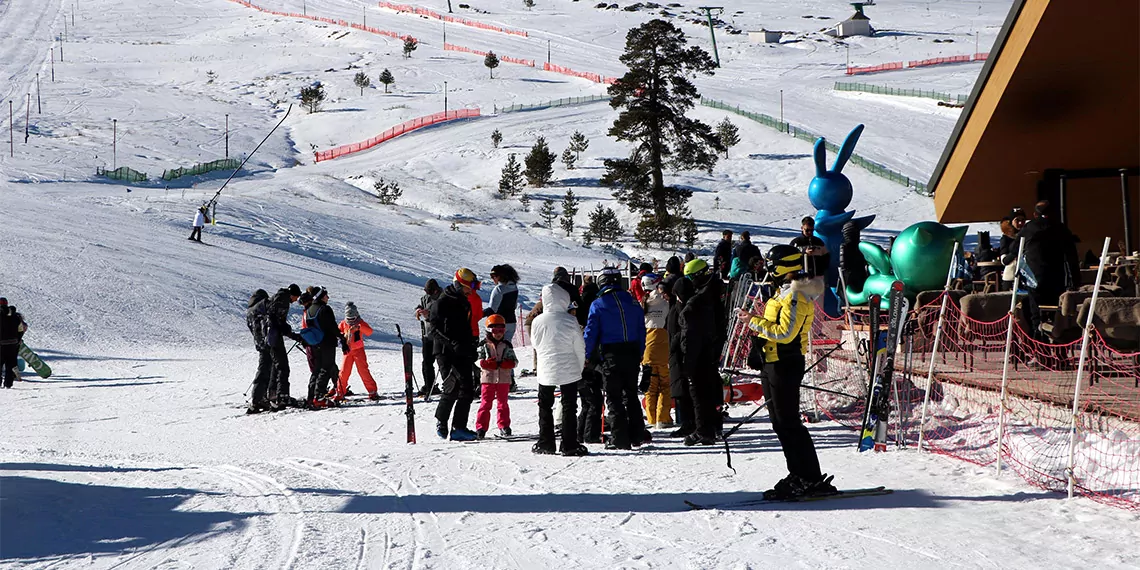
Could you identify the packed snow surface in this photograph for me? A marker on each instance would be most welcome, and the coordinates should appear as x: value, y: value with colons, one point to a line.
x: 137, y: 453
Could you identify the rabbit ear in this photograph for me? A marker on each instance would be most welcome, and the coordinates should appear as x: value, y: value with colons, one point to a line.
x: 820, y: 157
x: 847, y: 149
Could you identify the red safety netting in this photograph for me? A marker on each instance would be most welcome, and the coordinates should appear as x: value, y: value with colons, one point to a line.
x: 981, y: 56
x: 894, y: 65
x: 938, y: 61
x: 405, y: 127
x: 595, y: 77
x: 965, y: 406
x: 874, y: 68
x: 333, y: 21
x: 506, y: 58
x: 451, y: 19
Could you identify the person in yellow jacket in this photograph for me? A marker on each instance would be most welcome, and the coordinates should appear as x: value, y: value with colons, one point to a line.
x: 655, y: 361
x: 784, y: 328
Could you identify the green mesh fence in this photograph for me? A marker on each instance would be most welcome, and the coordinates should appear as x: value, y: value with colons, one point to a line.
x: 881, y: 90
x: 121, y: 173
x: 806, y: 135
x: 555, y: 103
x: 201, y: 168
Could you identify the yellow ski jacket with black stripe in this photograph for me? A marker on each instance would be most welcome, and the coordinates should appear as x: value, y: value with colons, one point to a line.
x: 787, y: 318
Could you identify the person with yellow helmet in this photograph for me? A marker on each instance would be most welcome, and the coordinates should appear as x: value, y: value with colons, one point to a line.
x: 783, y: 328
x: 703, y: 326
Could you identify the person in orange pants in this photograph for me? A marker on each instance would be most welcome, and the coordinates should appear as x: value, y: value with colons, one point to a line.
x: 355, y: 329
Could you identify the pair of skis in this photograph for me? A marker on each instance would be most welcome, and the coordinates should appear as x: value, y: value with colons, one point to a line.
x: 873, y: 434
x: 760, y: 501
x: 410, y: 412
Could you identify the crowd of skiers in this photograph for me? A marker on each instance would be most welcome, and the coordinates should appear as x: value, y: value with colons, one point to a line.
x: 600, y: 346
x: 12, y: 327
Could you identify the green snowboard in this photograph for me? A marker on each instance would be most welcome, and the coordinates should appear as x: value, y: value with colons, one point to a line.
x: 34, y: 361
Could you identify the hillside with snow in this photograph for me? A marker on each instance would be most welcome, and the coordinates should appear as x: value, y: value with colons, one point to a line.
x: 137, y: 453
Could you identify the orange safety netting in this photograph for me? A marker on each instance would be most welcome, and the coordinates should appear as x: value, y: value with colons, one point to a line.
x: 452, y: 19
x: 917, y: 63
x: 506, y: 58
x: 333, y: 21
x: 874, y: 68
x: 595, y: 77
x: 938, y: 61
x: 964, y: 409
x: 405, y: 127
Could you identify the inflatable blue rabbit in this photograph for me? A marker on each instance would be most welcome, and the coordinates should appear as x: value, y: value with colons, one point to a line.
x: 830, y: 193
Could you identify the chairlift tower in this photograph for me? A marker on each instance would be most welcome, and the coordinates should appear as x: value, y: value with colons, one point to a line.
x: 712, y: 30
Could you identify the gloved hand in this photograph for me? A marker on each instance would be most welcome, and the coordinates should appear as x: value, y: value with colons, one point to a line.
x: 489, y: 364
x: 646, y: 375
x: 343, y: 345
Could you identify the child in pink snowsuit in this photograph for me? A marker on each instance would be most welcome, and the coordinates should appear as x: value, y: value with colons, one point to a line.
x: 496, y: 359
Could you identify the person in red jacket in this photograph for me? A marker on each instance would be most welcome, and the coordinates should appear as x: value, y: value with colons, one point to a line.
x: 355, y: 329
x: 496, y: 359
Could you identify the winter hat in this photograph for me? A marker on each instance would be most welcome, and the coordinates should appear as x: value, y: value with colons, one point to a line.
x: 294, y: 290
x: 560, y: 274
x: 431, y: 287
x: 645, y: 267
x: 610, y: 276
x: 305, y: 298
x: 3, y: 301
x: 465, y: 276
x: 350, y: 311
x: 673, y: 265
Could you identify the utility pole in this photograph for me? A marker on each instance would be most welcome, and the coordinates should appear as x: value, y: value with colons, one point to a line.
x: 27, y: 118
x: 11, y: 134
x: 227, y: 135
x: 53, y: 64
x: 712, y: 31
x: 976, y: 34
x: 61, y: 50
x: 444, y: 97
x: 304, y: 9
x: 445, y: 32
x: 547, y: 51
x: 783, y: 126
x: 114, y: 144
x: 39, y: 102
x: 364, y: 9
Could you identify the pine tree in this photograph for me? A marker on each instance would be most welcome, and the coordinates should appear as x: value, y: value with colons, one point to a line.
x: 568, y: 159
x: 728, y: 134
x: 387, y: 192
x: 539, y: 163
x: 655, y: 96
x: 387, y: 79
x: 491, y: 61
x: 361, y: 80
x: 570, y: 204
x: 579, y: 143
x: 496, y: 138
x: 547, y: 213
x: 525, y: 201
x: 511, y: 180
x: 410, y: 45
x: 312, y: 97
x: 528, y: 3
x: 604, y: 225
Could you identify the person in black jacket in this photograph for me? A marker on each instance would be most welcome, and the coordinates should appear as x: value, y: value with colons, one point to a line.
x: 817, y: 256
x: 1007, y: 247
x: 679, y: 383
x: 703, y: 325
x: 278, y: 330
x: 432, y: 292
x: 746, y: 250
x: 256, y: 318
x: 722, y: 256
x: 1051, y: 254
x: 12, y: 329
x: 852, y: 263
x: 325, y: 370
x: 455, y: 351
x: 590, y: 388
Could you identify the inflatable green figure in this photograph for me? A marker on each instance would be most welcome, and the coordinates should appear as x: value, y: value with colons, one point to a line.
x: 920, y: 258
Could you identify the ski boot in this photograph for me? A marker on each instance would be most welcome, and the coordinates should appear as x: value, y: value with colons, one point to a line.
x: 480, y: 433
x: 505, y: 432
x: 578, y: 451
x: 463, y: 434
x: 441, y: 429
x: 373, y: 396
x: 696, y: 438
x: 542, y: 449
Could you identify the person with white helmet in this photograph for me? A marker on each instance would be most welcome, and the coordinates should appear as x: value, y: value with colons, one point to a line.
x: 655, y: 361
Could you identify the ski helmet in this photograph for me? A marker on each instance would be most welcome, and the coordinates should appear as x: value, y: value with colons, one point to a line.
x: 610, y: 276
x: 465, y: 276
x: 696, y: 268
x: 496, y: 321
x: 649, y: 281
x: 784, y: 260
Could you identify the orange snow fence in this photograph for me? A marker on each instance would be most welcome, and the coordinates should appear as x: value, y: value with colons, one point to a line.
x: 506, y: 58
x: 939, y: 61
x: 452, y: 19
x: 875, y: 68
x: 335, y: 22
x: 918, y: 63
x: 595, y: 77
x: 405, y: 127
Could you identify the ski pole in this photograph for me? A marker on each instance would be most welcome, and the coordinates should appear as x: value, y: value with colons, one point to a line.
x: 250, y: 155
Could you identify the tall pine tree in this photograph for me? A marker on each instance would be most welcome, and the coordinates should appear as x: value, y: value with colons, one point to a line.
x: 539, y: 163
x: 569, y: 210
x: 511, y: 180
x: 654, y: 97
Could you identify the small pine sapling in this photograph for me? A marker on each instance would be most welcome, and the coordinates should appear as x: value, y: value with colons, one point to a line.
x: 496, y: 138
x: 569, y: 211
x: 547, y: 213
x: 410, y: 45
x: 525, y: 201
x: 528, y: 3
x: 728, y: 134
x: 579, y: 143
x: 568, y: 159
x: 361, y: 80
x: 511, y: 180
x: 387, y: 79
x: 491, y: 61
x: 387, y: 192
x: 539, y: 163
x: 312, y: 97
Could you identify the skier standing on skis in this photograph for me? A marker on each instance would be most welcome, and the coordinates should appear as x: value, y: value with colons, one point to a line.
x: 321, y: 315
x: 496, y: 360
x: 432, y: 292
x: 12, y: 329
x: 455, y: 351
x: 561, y: 352
x: 703, y: 326
x: 784, y: 329
x: 615, y: 337
x: 278, y: 331
x: 201, y: 218
x: 256, y: 318
x: 354, y: 329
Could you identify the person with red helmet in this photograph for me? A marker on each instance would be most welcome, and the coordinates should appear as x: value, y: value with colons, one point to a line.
x: 496, y: 360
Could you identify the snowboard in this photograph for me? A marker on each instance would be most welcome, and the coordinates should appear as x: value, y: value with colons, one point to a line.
x: 34, y: 361
x: 842, y: 494
x: 874, y: 432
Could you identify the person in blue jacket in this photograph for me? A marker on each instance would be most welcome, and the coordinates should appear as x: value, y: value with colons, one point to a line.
x: 615, y: 337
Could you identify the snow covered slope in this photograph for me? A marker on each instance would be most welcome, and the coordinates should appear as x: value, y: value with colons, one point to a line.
x: 137, y: 454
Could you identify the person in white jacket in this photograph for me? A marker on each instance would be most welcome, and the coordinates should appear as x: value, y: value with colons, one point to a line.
x: 200, y: 220
x: 561, y: 352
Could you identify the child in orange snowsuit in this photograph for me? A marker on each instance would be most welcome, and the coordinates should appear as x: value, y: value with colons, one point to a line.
x: 355, y: 329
